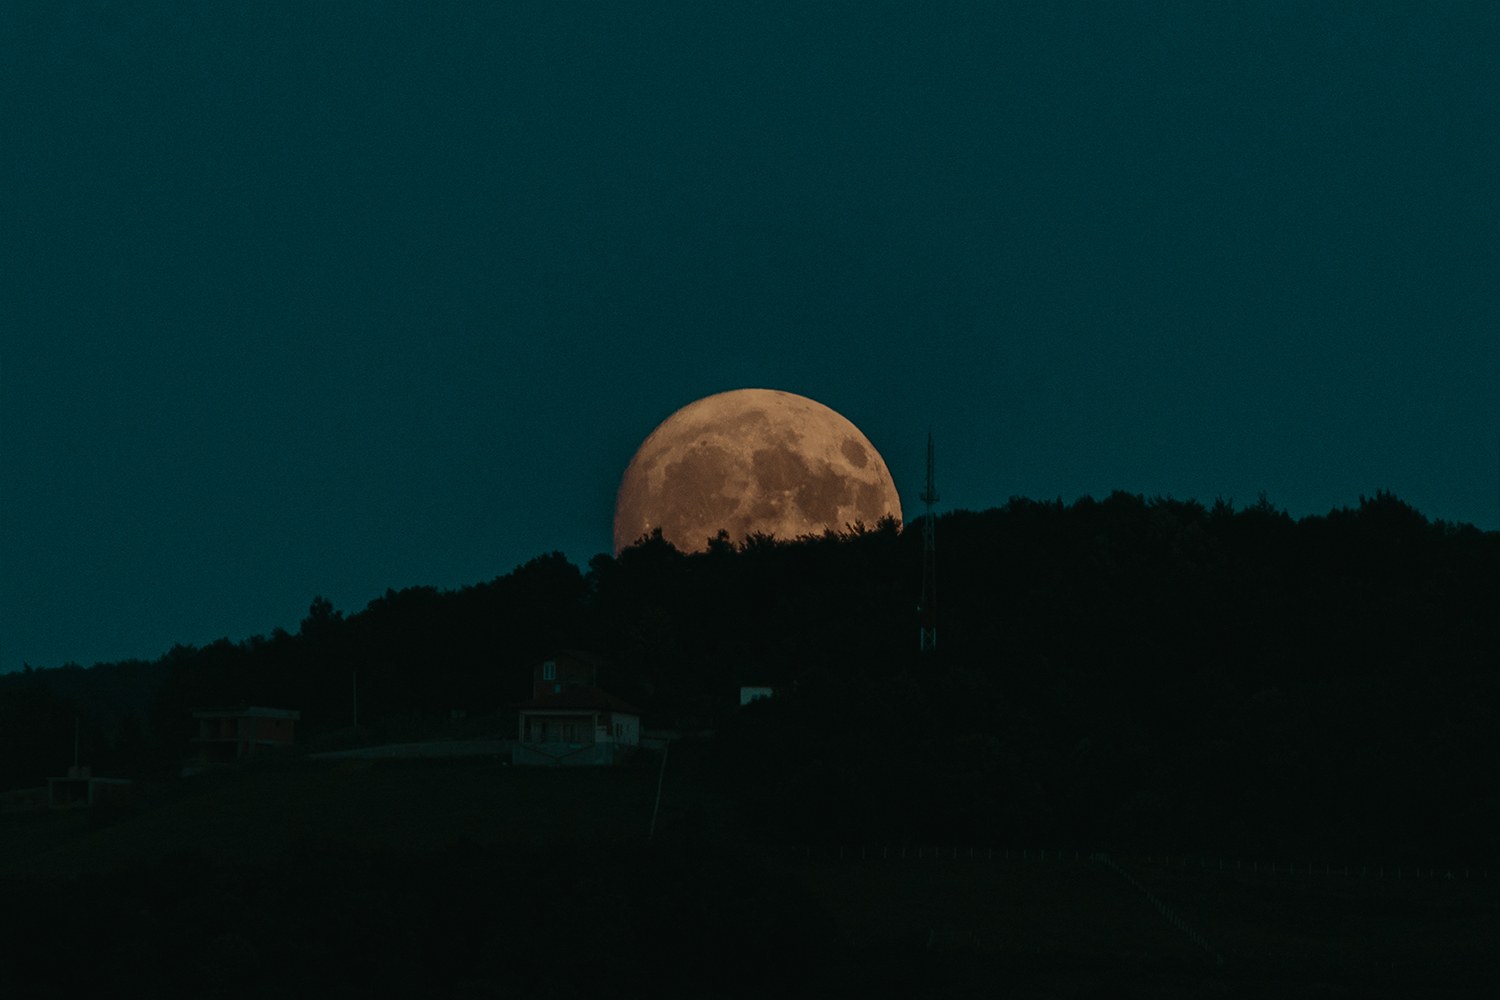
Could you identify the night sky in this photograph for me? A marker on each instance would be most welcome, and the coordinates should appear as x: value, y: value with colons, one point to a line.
x: 302, y: 299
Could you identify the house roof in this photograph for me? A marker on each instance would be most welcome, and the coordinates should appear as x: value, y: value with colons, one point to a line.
x: 581, y: 696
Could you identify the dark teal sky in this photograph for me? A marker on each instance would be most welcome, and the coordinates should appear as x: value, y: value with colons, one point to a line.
x: 324, y: 299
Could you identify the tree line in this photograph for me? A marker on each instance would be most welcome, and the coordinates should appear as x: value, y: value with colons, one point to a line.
x: 1122, y: 672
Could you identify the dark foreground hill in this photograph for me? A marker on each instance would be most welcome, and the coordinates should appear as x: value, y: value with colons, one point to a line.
x: 476, y: 879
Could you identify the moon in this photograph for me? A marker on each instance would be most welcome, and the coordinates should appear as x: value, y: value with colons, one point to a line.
x: 748, y: 461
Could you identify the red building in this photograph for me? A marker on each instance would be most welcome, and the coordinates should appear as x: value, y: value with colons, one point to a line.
x: 569, y: 719
x: 229, y: 734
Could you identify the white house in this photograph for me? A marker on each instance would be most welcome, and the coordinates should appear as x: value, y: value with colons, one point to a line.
x: 569, y: 719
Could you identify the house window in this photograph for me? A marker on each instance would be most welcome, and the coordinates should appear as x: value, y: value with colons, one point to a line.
x: 549, y: 670
x: 568, y: 733
x: 619, y: 730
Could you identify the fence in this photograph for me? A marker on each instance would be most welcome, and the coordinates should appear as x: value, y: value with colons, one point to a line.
x: 432, y: 748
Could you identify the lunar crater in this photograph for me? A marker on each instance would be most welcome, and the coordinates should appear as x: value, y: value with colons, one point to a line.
x: 854, y: 452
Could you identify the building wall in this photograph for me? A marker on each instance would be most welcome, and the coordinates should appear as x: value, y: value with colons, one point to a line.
x: 566, y: 673
x: 279, y: 730
x: 556, y: 731
x: 630, y: 726
x: 576, y: 729
x: 247, y: 727
x: 618, y: 727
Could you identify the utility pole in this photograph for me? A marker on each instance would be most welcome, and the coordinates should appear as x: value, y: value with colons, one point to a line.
x: 354, y: 683
x: 928, y: 607
x: 659, y: 776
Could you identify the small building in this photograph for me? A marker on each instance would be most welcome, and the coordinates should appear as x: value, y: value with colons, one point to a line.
x: 749, y: 693
x: 80, y: 789
x: 226, y: 735
x: 569, y: 719
x: 755, y: 692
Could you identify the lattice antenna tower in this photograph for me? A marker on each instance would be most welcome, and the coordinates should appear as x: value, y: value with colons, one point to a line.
x: 928, y: 608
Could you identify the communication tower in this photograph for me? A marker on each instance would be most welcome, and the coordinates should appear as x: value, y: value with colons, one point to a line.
x: 928, y: 608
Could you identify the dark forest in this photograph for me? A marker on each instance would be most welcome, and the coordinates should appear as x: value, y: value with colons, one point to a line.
x: 1132, y: 673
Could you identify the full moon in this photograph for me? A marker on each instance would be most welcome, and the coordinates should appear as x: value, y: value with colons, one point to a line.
x: 747, y: 461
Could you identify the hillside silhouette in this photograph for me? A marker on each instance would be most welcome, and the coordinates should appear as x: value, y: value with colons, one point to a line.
x: 1130, y: 673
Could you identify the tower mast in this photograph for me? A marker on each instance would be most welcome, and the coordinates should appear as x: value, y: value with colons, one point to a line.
x: 928, y: 607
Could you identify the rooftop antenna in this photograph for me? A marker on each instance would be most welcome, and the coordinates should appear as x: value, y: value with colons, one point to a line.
x: 928, y: 607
